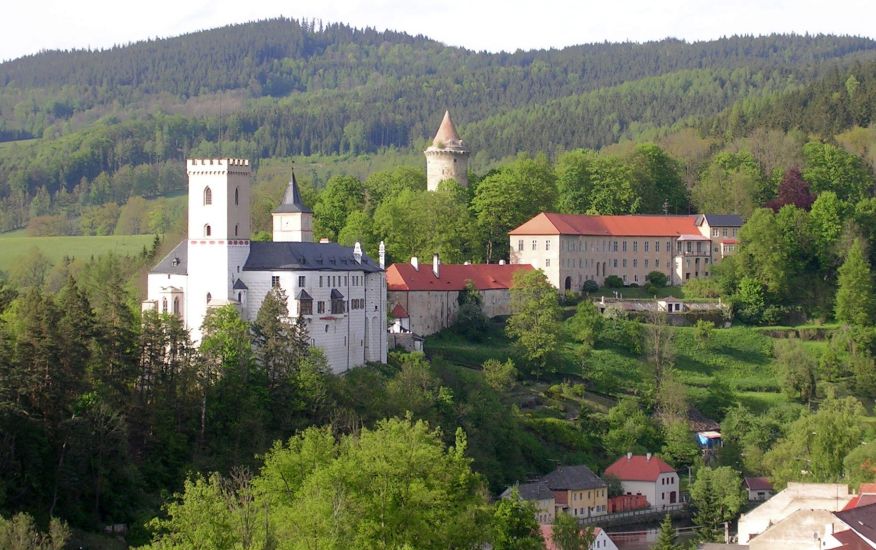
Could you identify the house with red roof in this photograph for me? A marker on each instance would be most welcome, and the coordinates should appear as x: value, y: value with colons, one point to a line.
x: 601, y: 540
x: 758, y: 488
x: 574, y: 248
x: 649, y: 476
x: 423, y: 299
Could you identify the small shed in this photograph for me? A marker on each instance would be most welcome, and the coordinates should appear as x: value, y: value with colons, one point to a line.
x: 759, y: 488
x: 670, y: 304
x: 709, y: 440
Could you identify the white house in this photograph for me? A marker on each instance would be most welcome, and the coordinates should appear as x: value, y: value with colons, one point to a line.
x: 649, y: 476
x: 340, y: 292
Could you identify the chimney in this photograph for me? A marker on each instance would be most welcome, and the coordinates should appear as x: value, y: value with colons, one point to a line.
x: 415, y: 263
x: 381, y: 252
x: 357, y: 252
x: 648, y: 457
x: 629, y: 456
x: 501, y: 262
x: 436, y: 266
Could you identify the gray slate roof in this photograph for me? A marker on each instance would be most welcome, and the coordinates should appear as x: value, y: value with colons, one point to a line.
x: 720, y: 220
x: 293, y: 256
x: 292, y: 199
x: 176, y: 262
x: 536, y: 490
x: 240, y: 285
x: 578, y: 477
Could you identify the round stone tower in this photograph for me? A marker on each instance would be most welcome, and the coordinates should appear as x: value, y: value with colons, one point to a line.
x: 447, y: 158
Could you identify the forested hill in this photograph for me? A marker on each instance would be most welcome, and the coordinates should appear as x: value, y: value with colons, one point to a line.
x: 86, y: 128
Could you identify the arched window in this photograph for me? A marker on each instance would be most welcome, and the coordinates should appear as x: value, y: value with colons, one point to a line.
x: 239, y: 294
x: 164, y: 305
x: 176, y: 305
x: 207, y: 230
x: 208, y: 196
x: 236, y: 196
x: 235, y: 229
x: 209, y: 297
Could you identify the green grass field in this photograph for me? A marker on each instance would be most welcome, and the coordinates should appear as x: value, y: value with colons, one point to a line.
x: 15, y: 245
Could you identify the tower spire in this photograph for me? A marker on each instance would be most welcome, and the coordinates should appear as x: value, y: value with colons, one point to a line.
x: 292, y: 199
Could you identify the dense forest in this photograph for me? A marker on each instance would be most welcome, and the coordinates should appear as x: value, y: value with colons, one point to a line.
x: 88, y: 128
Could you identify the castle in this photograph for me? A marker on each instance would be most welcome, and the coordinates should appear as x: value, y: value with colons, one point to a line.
x: 339, y: 291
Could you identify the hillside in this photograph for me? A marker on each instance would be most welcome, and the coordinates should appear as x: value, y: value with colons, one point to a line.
x: 280, y: 87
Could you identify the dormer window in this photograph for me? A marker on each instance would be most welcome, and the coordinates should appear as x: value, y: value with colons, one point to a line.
x: 305, y: 303
x: 208, y: 196
x: 338, y: 304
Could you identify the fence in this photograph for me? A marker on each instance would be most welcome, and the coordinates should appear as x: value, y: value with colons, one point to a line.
x: 635, y: 516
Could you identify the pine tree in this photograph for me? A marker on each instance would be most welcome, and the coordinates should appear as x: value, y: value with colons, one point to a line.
x: 854, y: 297
x: 666, y: 536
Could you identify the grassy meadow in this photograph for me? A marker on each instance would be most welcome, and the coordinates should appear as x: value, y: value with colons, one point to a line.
x: 16, y: 244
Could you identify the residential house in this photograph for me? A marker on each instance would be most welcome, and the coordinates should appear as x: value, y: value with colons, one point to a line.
x: 601, y: 539
x: 428, y: 295
x: 649, y: 476
x: 539, y: 494
x: 574, y: 248
x: 578, y: 491
x: 758, y: 488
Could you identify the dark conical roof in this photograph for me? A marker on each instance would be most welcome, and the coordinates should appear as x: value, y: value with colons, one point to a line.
x: 292, y: 199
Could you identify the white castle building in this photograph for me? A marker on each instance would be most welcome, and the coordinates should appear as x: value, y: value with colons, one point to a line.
x: 340, y: 292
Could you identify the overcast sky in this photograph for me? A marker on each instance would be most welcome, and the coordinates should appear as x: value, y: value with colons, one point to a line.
x: 34, y: 25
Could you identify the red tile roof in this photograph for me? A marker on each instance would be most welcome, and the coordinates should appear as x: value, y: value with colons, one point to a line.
x: 446, y: 134
x: 638, y: 468
x: 452, y: 276
x: 548, y: 223
x: 851, y: 541
x: 758, y: 484
x: 399, y: 312
x: 867, y: 489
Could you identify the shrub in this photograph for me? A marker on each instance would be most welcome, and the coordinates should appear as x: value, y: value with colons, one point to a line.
x: 613, y: 281
x: 590, y: 286
x: 657, y: 279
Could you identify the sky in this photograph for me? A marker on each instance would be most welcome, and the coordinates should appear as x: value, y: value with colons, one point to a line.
x: 493, y: 25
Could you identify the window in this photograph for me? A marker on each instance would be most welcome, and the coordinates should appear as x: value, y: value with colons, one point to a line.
x: 305, y: 307
x: 534, y: 244
x: 656, y: 263
x: 547, y: 262
x: 614, y: 246
x: 207, y: 231
x: 320, y: 307
x: 734, y: 231
x: 716, y: 232
x: 236, y: 195
x: 725, y: 231
x: 656, y: 246
x: 176, y: 306
x: 209, y: 297
x: 646, y: 263
x: 320, y: 281
x: 624, y: 246
x: 302, y: 280
x: 275, y: 281
x: 625, y: 262
x: 164, y: 305
x: 208, y: 196
x: 614, y: 263
x: 520, y: 245
x: 235, y: 229
x: 635, y: 262
x: 668, y: 246
x: 547, y: 245
x: 646, y: 246
x: 338, y: 307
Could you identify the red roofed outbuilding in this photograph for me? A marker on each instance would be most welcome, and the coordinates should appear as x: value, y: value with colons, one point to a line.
x: 429, y: 294
x: 649, y: 476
